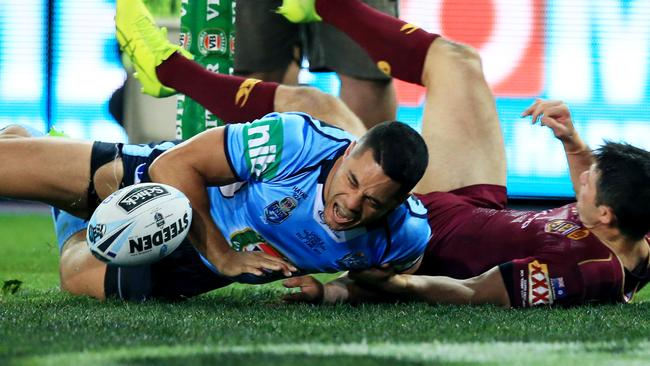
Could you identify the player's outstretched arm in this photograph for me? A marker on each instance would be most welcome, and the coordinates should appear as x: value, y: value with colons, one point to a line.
x: 556, y: 115
x: 191, y: 167
x: 487, y: 288
x: 341, y: 290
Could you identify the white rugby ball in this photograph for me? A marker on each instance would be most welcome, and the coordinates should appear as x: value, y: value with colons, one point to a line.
x: 139, y: 224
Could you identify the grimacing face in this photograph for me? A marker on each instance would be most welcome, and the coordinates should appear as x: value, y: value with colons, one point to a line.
x: 358, y: 192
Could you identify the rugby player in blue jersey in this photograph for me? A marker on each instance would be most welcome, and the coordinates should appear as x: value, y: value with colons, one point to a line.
x: 284, y: 195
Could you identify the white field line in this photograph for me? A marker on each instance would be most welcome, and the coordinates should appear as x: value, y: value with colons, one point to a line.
x: 515, y: 353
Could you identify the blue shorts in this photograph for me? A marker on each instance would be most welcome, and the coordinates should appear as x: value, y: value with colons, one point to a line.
x: 136, y: 160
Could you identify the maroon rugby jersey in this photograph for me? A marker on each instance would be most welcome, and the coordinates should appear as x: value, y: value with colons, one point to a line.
x: 545, y: 257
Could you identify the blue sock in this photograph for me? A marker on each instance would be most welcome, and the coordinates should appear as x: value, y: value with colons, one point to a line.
x: 66, y: 225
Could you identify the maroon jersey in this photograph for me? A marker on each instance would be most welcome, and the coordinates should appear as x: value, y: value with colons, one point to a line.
x: 545, y: 257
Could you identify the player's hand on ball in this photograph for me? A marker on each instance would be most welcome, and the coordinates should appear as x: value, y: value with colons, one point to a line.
x: 258, y: 263
x: 311, y: 290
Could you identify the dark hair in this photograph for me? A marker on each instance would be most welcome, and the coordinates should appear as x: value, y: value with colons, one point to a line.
x: 624, y: 185
x: 399, y: 150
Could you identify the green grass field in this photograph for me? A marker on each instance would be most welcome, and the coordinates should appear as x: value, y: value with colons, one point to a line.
x: 250, y: 326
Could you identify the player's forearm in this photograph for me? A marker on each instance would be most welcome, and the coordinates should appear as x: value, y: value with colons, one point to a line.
x: 579, y: 158
x: 486, y: 288
x: 432, y: 289
x: 204, y: 234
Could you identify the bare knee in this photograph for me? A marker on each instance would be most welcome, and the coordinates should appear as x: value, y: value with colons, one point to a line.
x: 80, y: 272
x: 322, y: 106
x: 306, y: 99
x: 445, y: 56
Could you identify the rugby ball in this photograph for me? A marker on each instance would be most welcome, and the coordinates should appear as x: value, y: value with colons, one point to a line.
x: 139, y: 224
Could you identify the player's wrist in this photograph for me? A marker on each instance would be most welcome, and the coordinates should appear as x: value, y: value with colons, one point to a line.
x: 331, y: 294
x: 221, y: 257
x: 575, y: 146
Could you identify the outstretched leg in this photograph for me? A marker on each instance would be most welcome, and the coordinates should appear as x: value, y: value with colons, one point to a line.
x: 51, y: 170
x: 55, y: 171
x: 460, y: 123
x: 237, y: 99
x: 164, y: 68
x: 80, y: 273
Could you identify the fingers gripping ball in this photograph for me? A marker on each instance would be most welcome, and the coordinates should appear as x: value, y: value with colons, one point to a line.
x: 139, y: 224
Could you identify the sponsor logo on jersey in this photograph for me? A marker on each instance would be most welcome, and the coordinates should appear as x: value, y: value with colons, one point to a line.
x: 298, y: 193
x: 567, y: 228
x: 213, y: 41
x: 248, y: 240
x: 141, y: 195
x: 145, y: 243
x: 263, y: 140
x: 244, y: 91
x: 559, y: 290
x: 409, y: 28
x: 539, y: 286
x: 416, y: 207
x: 523, y: 288
x: 139, y: 172
x: 277, y: 212
x: 312, y: 240
x: 96, y: 232
x: 356, y: 260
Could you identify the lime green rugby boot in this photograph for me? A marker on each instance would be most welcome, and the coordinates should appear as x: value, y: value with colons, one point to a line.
x: 54, y: 132
x: 145, y: 44
x: 299, y: 11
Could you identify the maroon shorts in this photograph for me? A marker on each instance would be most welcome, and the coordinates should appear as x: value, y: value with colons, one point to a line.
x: 453, y: 250
x: 447, y: 210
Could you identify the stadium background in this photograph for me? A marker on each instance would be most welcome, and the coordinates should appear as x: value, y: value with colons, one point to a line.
x: 59, y: 66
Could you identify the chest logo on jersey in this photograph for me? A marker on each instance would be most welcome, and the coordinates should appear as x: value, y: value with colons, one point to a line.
x: 567, y: 228
x: 248, y: 240
x: 263, y: 140
x: 356, y: 260
x: 539, y: 284
x: 278, y: 211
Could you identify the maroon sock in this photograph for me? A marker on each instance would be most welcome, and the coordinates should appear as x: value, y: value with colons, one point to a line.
x: 398, y: 48
x: 232, y: 98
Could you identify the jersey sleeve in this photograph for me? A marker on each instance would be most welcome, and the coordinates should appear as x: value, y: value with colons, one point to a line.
x: 553, y: 277
x: 409, y: 238
x: 280, y: 145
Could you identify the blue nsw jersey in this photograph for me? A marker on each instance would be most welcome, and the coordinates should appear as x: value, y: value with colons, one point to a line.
x: 281, y: 162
